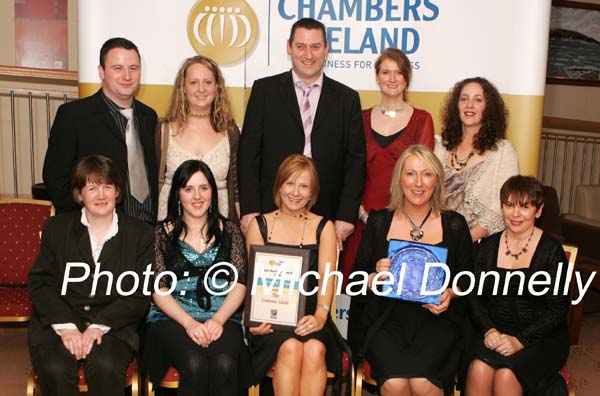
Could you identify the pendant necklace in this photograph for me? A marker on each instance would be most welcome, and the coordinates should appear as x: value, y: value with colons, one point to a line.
x: 391, y: 113
x: 416, y: 233
x: 524, y: 250
x: 299, y: 216
x: 458, y: 164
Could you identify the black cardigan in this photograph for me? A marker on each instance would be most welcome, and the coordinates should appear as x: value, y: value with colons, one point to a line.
x: 368, y: 312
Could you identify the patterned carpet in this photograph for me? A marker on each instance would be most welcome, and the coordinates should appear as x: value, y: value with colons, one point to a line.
x: 583, y: 364
x: 584, y: 360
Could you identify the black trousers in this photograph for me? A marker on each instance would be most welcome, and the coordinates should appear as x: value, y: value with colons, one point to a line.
x: 105, y: 368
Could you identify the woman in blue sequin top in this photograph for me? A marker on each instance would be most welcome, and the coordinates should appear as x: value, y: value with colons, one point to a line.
x: 195, y: 322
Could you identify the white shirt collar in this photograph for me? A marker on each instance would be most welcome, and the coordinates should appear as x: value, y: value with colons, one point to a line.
x: 95, y: 244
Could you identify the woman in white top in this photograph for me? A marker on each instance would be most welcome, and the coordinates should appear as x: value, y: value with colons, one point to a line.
x: 199, y: 125
x: 476, y: 156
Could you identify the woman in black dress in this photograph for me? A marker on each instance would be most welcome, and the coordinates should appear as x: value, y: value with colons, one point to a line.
x: 413, y: 349
x: 523, y: 339
x: 304, y: 354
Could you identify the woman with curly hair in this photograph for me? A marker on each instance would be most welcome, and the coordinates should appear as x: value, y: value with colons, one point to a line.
x: 199, y: 125
x: 476, y: 156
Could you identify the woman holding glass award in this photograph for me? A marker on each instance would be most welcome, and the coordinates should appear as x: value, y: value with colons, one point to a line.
x: 304, y: 353
x: 522, y: 338
x: 413, y: 347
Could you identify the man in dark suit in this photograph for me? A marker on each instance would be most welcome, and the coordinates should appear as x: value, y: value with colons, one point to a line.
x: 100, y: 124
x: 279, y: 122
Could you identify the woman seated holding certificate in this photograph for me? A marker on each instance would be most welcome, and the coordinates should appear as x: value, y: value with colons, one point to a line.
x: 303, y: 353
x: 523, y: 338
x: 195, y: 324
x: 413, y: 347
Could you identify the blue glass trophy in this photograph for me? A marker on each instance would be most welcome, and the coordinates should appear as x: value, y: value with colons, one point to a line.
x: 418, y: 270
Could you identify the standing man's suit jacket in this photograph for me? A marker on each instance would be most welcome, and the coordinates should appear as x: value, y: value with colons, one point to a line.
x: 273, y: 130
x: 86, y: 127
x: 65, y: 239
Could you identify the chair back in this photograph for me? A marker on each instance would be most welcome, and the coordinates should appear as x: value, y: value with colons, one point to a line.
x: 550, y: 221
x: 21, y: 223
x: 575, y: 312
x: 571, y: 253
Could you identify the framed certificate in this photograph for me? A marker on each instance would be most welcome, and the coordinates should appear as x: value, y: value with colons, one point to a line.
x: 409, y: 269
x: 273, y: 295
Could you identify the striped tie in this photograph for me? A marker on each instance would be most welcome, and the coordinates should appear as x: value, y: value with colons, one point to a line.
x: 306, y: 115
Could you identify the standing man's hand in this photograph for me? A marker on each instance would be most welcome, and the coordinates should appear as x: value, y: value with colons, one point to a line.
x: 245, y: 221
x: 343, y: 230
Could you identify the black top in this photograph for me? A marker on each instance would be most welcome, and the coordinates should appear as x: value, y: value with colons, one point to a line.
x: 539, y: 322
x: 370, y: 311
x: 527, y: 317
x: 385, y: 141
x: 266, y: 347
x: 311, y: 282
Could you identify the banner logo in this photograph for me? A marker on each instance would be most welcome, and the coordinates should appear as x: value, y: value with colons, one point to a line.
x: 224, y: 30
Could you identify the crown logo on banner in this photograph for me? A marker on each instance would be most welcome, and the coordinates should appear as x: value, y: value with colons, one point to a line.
x: 224, y: 30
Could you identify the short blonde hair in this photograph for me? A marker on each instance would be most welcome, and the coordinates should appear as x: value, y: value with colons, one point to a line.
x: 426, y: 155
x: 294, y: 165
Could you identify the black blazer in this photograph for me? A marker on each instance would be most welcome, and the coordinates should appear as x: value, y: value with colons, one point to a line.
x: 85, y: 127
x: 273, y: 130
x: 65, y: 240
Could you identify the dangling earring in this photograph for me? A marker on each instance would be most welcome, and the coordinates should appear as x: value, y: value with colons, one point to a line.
x: 210, y: 209
x: 178, y: 208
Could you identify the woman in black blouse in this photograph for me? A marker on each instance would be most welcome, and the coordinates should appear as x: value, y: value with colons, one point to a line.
x: 523, y: 339
x: 413, y: 348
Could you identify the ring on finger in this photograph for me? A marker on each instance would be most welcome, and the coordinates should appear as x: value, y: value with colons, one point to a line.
x: 196, y: 333
x: 310, y: 325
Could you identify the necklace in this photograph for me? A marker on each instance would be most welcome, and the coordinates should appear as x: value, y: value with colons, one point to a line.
x: 417, y: 233
x: 391, y: 113
x: 458, y: 164
x: 199, y: 115
x: 303, y: 215
x: 203, y: 243
x: 524, y: 250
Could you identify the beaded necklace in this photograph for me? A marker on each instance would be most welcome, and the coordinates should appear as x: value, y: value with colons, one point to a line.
x: 301, y: 215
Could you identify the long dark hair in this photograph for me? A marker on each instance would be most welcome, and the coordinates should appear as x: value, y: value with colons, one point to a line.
x: 182, y: 175
x: 493, y: 122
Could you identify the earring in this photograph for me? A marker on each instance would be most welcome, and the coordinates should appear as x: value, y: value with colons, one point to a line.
x: 210, y: 209
x: 178, y: 208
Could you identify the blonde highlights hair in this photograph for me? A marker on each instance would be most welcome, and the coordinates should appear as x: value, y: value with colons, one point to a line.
x: 426, y: 155
x: 220, y: 110
x: 293, y: 165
